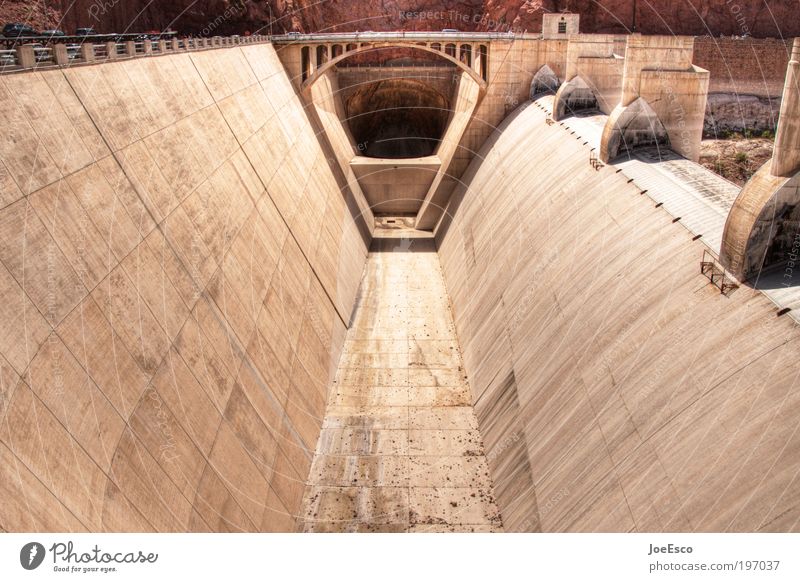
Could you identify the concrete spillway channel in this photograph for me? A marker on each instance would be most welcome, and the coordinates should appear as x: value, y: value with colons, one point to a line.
x: 201, y: 333
x: 399, y: 448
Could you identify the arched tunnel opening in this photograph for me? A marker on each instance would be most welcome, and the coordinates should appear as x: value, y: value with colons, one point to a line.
x: 397, y: 118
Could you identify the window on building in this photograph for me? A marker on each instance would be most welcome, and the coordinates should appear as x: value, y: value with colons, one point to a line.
x: 562, y: 27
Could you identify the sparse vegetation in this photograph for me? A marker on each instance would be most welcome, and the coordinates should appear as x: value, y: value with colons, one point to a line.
x: 737, y: 157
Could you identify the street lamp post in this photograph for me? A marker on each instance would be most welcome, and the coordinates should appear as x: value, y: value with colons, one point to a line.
x: 269, y: 5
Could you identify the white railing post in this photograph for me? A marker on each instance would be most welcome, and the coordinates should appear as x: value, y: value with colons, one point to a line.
x: 60, y: 55
x: 26, y: 57
x: 87, y: 52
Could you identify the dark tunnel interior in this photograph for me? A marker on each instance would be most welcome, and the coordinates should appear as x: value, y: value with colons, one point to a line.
x: 397, y: 118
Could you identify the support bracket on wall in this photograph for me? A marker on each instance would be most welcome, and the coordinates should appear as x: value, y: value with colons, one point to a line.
x: 715, y: 272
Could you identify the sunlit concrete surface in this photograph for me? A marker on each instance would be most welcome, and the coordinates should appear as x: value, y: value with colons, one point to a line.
x: 177, y: 267
x: 616, y: 388
x: 400, y: 448
x: 699, y: 198
x: 191, y: 341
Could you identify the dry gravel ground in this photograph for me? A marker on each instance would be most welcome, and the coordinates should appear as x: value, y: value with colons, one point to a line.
x: 737, y: 158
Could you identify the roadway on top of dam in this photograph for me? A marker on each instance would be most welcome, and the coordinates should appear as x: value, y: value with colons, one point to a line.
x: 414, y: 36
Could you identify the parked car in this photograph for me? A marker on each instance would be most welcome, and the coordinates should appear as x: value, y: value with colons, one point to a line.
x: 17, y: 29
x: 449, y: 30
x: 85, y: 31
x: 52, y: 33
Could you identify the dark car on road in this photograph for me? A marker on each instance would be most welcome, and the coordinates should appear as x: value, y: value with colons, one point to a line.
x: 17, y: 29
x: 85, y: 31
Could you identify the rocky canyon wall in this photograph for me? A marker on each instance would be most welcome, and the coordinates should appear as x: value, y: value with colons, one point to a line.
x: 775, y: 18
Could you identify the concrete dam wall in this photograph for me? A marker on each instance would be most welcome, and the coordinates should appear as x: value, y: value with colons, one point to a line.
x: 178, y: 265
x: 205, y: 328
x: 616, y: 388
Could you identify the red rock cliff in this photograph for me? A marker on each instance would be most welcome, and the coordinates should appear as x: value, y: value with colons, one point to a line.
x: 770, y: 18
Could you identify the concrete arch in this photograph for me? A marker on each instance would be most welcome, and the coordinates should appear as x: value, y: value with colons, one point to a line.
x: 544, y: 81
x: 763, y: 227
x: 630, y: 127
x: 330, y: 63
x: 574, y: 95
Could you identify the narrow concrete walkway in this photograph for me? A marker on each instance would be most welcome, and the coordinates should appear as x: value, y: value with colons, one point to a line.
x: 400, y: 448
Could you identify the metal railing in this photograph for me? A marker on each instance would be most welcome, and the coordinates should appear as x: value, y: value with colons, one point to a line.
x: 23, y: 53
x: 716, y: 273
x: 61, y: 52
x: 11, y: 42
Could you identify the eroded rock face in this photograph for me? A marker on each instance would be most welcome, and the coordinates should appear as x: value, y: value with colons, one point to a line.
x: 726, y: 113
x: 695, y: 17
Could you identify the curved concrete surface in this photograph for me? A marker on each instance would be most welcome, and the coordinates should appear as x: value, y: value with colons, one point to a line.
x: 180, y: 259
x: 760, y: 230
x: 631, y: 127
x: 178, y: 264
x: 544, y: 81
x: 329, y: 64
x: 616, y: 389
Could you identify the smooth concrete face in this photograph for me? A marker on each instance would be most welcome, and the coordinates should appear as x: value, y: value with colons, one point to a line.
x: 659, y: 70
x: 177, y: 266
x: 593, y: 78
x: 615, y: 388
x: 762, y: 225
x: 395, y: 187
x: 399, y: 449
x: 328, y: 110
x: 465, y: 101
x: 632, y: 127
